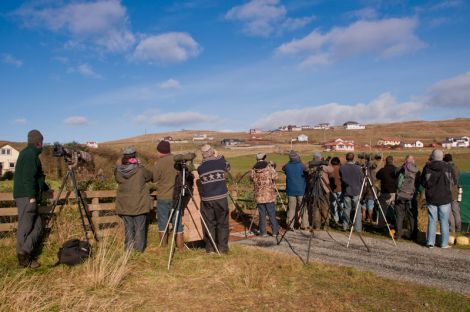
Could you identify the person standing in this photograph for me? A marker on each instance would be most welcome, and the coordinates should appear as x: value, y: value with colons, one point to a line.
x: 213, y: 190
x: 369, y: 197
x: 264, y: 176
x: 405, y: 194
x: 351, y: 183
x: 437, y: 180
x: 335, y: 184
x: 133, y: 200
x: 28, y: 186
x: 295, y: 190
x: 388, y: 188
x: 321, y: 214
x: 454, y: 218
x: 164, y: 177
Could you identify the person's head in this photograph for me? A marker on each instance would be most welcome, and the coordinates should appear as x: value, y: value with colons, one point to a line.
x: 35, y: 138
x: 410, y: 159
x: 293, y: 156
x: 260, y: 156
x: 437, y: 155
x: 448, y: 157
x: 163, y: 148
x: 317, y: 156
x: 207, y: 151
x: 349, y: 156
x: 389, y: 160
x: 129, y: 155
x: 335, y: 161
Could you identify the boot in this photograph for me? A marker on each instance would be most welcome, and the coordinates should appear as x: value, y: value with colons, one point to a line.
x: 23, y: 259
x: 165, y: 238
x: 180, y: 241
x: 33, y: 264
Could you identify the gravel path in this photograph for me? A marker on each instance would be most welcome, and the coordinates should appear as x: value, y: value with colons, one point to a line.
x: 444, y: 268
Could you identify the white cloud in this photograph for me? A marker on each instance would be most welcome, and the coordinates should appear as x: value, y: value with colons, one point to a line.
x: 11, y: 60
x: 172, y: 47
x: 175, y: 119
x: 102, y: 23
x: 385, y: 38
x: 265, y: 17
x: 76, y: 121
x: 21, y: 121
x: 85, y: 70
x: 170, y: 84
x: 452, y: 92
x: 384, y: 108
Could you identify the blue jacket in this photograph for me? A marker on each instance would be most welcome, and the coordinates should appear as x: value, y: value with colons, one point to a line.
x: 295, y: 178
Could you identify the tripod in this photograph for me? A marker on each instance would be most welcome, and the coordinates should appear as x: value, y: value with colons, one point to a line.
x: 81, y: 204
x: 366, y: 182
x: 177, y: 211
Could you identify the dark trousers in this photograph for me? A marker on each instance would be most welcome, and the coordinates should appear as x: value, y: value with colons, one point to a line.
x: 215, y: 214
x: 29, y: 228
x: 135, y: 229
x: 403, y: 209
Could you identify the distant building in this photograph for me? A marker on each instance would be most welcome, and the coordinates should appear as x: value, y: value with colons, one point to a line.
x: 352, y: 125
x: 200, y: 137
x: 306, y: 127
x: 302, y: 138
x: 415, y: 144
x: 461, y: 142
x: 256, y: 131
x: 8, y: 158
x: 289, y: 128
x: 389, y: 142
x: 230, y: 142
x: 339, y: 145
x: 322, y: 126
x: 167, y: 138
x: 92, y: 144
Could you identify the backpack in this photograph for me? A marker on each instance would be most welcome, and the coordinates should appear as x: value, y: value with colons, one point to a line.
x: 73, y: 252
x: 406, y: 185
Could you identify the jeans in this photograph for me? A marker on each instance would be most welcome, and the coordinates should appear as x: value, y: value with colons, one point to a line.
x: 336, y: 205
x: 135, y: 228
x: 454, y: 218
x: 215, y: 214
x: 442, y: 212
x: 369, y: 205
x: 270, y: 208
x: 29, y: 226
x: 294, y: 211
x: 163, y: 213
x: 350, y: 204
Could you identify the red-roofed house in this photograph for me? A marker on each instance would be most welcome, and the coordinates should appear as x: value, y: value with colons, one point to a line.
x: 339, y: 145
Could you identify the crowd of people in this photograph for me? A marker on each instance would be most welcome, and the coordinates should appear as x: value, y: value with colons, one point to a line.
x: 344, y: 188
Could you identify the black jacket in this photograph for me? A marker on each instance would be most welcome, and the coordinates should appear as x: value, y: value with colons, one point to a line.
x: 437, y: 179
x: 212, y: 178
x: 388, y: 179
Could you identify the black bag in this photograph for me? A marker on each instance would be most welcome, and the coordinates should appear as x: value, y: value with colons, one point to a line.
x: 73, y: 252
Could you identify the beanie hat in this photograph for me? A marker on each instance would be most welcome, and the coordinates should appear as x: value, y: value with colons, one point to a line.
x: 34, y: 136
x: 207, y: 151
x: 448, y: 157
x: 260, y: 156
x: 437, y: 155
x: 293, y: 156
x: 128, y: 151
x: 164, y: 147
x: 317, y: 156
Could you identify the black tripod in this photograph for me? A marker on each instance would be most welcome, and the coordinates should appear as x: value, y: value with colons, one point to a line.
x: 81, y: 204
x: 177, y: 211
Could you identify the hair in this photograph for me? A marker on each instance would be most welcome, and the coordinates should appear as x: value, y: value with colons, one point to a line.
x: 335, y: 161
x: 389, y: 160
x: 448, y: 157
x: 350, y: 156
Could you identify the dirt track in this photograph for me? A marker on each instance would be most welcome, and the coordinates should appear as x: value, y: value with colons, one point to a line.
x: 444, y: 268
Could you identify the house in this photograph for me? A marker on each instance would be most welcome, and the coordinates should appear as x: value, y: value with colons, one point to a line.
x: 456, y: 142
x: 302, y: 138
x: 352, y: 125
x: 92, y: 144
x: 322, y: 126
x: 8, y: 157
x: 200, y: 137
x: 292, y: 128
x: 339, y: 145
x: 230, y: 142
x: 306, y: 127
x: 415, y: 144
x: 256, y: 131
x: 389, y: 142
x: 283, y: 128
x: 167, y: 138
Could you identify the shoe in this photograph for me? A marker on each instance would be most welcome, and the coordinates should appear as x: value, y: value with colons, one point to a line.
x: 23, y: 259
x: 33, y: 264
x: 430, y: 246
x: 263, y: 234
x: 446, y: 247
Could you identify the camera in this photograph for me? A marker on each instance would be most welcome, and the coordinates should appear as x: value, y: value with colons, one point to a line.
x: 69, y: 155
x: 182, y: 160
x: 317, y: 164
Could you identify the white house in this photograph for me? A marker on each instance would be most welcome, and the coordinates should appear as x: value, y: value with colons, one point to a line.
x: 352, y: 125
x: 92, y: 144
x: 302, y: 138
x: 200, y: 137
x: 294, y: 128
x: 256, y: 131
x: 415, y: 144
x: 389, y: 142
x: 456, y: 142
x: 322, y: 126
x: 230, y: 142
x: 306, y: 127
x: 339, y: 145
x: 8, y: 157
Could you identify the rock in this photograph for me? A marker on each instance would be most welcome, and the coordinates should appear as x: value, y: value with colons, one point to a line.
x: 462, y: 240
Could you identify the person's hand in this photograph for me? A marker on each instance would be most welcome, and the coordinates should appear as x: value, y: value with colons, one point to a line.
x: 49, y: 194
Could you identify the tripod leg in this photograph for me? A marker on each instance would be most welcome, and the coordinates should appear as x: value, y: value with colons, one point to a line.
x: 252, y: 221
x: 170, y: 215
x: 280, y: 198
x: 302, y: 207
x: 238, y: 208
x: 77, y: 198
x: 173, y: 237
x: 87, y: 212
x: 383, y: 214
x: 355, y: 212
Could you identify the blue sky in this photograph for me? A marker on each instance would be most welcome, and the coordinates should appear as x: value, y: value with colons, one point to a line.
x: 104, y: 70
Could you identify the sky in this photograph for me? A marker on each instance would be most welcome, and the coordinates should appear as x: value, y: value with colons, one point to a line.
x: 105, y: 70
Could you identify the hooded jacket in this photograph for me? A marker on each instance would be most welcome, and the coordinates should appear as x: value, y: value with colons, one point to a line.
x: 295, y: 178
x: 263, y: 176
x: 29, y: 179
x: 437, y: 179
x: 133, y: 195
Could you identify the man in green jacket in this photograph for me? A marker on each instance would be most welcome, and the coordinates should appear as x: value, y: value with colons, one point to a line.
x: 29, y: 183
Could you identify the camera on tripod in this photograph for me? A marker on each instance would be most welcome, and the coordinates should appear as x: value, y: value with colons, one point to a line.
x: 71, y: 156
x: 317, y: 164
x: 184, y: 161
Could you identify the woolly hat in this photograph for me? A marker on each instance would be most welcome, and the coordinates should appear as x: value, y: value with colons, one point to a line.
x: 448, y: 157
x: 317, y: 156
x: 437, y: 155
x: 260, y: 156
x: 128, y: 151
x: 207, y: 151
x: 164, y: 147
x: 34, y: 137
x: 294, y: 156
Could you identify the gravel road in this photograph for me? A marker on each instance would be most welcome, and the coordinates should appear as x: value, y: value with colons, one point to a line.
x: 444, y: 268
